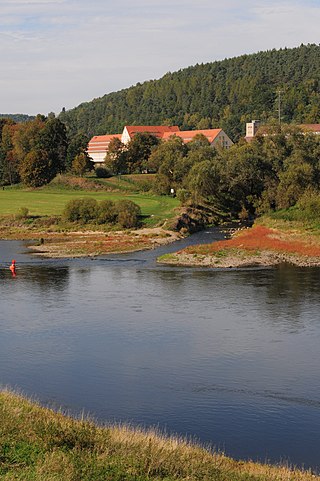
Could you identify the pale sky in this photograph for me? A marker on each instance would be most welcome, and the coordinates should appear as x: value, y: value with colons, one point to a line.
x: 59, y: 53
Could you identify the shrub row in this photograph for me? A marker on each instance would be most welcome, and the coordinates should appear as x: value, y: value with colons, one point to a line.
x: 124, y: 212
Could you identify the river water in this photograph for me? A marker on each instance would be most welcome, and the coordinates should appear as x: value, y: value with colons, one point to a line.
x: 230, y: 357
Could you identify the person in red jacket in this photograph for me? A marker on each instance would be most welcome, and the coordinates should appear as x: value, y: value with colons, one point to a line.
x: 13, y: 268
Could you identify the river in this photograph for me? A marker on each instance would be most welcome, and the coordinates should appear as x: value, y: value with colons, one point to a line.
x: 228, y: 357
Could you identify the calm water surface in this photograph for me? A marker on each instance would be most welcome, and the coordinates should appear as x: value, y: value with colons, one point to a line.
x: 231, y: 357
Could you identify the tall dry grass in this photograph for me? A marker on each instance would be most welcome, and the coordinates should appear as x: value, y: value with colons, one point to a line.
x: 38, y: 444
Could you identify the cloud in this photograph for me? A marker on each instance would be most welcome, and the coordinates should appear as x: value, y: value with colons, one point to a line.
x: 60, y: 53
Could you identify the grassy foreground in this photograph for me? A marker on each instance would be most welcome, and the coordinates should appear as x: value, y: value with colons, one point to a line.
x: 37, y: 444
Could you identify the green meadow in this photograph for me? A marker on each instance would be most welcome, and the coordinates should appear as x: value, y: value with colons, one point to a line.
x: 51, y: 202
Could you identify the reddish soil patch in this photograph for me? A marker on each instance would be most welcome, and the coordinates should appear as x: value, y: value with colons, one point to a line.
x: 261, y: 238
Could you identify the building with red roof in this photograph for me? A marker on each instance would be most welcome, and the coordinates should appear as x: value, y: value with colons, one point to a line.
x: 214, y: 136
x: 98, y: 146
x: 315, y: 128
x: 159, y: 131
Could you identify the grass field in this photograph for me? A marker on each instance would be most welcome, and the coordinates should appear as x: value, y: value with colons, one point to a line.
x: 51, y: 202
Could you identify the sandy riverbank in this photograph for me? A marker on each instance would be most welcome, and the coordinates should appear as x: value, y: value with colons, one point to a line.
x: 83, y: 243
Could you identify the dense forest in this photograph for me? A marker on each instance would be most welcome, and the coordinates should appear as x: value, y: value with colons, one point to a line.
x: 224, y: 94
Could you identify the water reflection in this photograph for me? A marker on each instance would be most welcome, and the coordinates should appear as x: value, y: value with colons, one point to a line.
x: 45, y: 278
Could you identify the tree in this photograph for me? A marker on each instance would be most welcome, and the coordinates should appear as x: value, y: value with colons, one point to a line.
x: 116, y: 159
x: 246, y: 171
x: 9, y: 173
x: 139, y: 150
x: 77, y: 145
x: 81, y: 164
x: 198, y: 140
x: 204, y: 181
x: 40, y: 136
x: 27, y: 138
x: 53, y: 139
x: 35, y: 170
x: 197, y: 152
x: 294, y: 181
x: 164, y: 157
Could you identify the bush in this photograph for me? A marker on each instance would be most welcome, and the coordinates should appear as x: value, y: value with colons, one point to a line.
x: 83, y: 210
x: 183, y: 195
x: 88, y: 209
x: 102, y: 173
x: 106, y: 212
x: 22, y: 213
x: 72, y: 210
x: 127, y: 213
x: 309, y: 204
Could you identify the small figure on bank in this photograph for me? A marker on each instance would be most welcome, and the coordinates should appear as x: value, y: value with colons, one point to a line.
x: 13, y: 268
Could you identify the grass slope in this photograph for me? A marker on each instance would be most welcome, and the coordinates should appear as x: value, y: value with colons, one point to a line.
x: 37, y: 444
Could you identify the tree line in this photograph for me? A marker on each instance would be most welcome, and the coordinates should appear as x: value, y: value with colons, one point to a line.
x: 275, y: 170
x: 34, y: 152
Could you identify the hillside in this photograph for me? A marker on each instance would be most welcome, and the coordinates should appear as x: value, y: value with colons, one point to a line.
x: 224, y: 93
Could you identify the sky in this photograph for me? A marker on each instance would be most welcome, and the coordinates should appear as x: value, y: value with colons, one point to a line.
x: 60, y: 53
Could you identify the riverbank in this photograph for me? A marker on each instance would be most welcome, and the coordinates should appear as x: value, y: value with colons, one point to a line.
x: 266, y: 244
x: 85, y: 242
x: 39, y: 444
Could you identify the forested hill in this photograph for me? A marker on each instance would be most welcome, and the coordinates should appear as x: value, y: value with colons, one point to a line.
x: 17, y: 117
x: 223, y: 94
